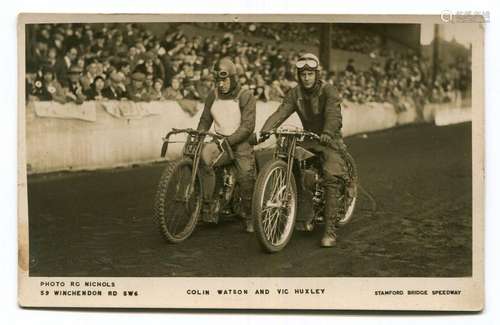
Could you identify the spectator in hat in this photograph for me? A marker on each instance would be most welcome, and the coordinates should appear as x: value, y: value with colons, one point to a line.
x: 139, y: 44
x: 124, y: 70
x: 74, y: 37
x: 96, y: 90
x: 174, y: 91
x: 51, y: 60
x: 116, y: 89
x: 90, y: 73
x: 117, y: 47
x: 133, y: 57
x: 74, y: 90
x: 63, y: 66
x: 98, y: 48
x: 188, y: 71
x: 157, y: 91
x: 47, y: 88
x: 151, y: 65
x: 58, y: 42
x: 136, y: 91
x: 148, y: 62
x: 148, y: 82
x: 80, y: 63
x: 130, y: 33
x: 104, y: 67
x: 350, y: 66
x: 158, y: 68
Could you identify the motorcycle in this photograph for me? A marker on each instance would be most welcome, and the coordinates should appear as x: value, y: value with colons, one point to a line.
x: 289, y: 193
x: 189, y: 189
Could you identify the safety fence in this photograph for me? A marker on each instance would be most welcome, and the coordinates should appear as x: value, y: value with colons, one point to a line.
x: 111, y: 134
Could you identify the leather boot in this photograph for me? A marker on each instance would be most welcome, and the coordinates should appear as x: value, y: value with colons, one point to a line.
x: 329, y: 237
x: 248, y: 223
x: 249, y: 226
x: 332, y: 192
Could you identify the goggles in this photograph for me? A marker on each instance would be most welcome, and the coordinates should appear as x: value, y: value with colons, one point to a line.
x: 222, y: 74
x: 309, y: 63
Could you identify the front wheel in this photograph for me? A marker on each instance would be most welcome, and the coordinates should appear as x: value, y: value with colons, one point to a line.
x: 177, y: 208
x: 274, y: 206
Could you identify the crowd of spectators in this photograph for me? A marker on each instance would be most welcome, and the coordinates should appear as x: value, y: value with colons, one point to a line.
x: 280, y: 32
x: 342, y: 36
x: 78, y: 62
x: 402, y: 78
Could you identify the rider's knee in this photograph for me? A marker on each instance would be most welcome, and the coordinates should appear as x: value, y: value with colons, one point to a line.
x: 333, y: 181
x: 245, y: 167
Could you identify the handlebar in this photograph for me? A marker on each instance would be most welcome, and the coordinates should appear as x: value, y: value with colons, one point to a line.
x: 301, y: 134
x: 190, y: 132
x: 174, y: 131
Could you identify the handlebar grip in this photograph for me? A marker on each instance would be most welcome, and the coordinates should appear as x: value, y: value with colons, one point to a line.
x: 314, y: 135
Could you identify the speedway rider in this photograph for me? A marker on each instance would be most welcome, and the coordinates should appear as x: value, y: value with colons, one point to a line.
x: 318, y: 107
x: 232, y: 111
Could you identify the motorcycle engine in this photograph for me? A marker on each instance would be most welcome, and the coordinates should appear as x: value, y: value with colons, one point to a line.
x: 310, y: 178
x: 229, y: 182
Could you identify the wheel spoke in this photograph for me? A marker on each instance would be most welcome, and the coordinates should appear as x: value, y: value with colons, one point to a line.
x: 266, y: 221
x: 265, y: 210
x: 272, y: 222
x: 280, y: 226
x: 275, y: 226
x: 278, y: 197
x: 271, y: 230
x: 275, y: 186
x: 270, y: 227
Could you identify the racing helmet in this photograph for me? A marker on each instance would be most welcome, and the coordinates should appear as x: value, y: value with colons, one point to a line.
x: 225, y: 68
x: 307, y: 61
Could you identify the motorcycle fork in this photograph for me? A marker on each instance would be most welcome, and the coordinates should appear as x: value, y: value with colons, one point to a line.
x: 289, y: 172
x: 196, y: 164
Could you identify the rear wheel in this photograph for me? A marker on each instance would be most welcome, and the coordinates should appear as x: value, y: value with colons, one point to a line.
x: 176, y: 207
x: 350, y: 192
x: 274, y: 207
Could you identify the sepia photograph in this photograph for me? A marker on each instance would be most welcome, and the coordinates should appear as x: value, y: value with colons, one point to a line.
x: 262, y: 149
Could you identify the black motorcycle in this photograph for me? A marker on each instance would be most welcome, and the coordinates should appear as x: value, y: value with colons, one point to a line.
x: 289, y: 193
x: 189, y: 189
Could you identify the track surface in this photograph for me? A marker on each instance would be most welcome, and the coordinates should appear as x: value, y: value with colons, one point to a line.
x: 100, y: 223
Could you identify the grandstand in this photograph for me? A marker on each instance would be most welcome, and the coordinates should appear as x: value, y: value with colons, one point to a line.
x: 368, y: 62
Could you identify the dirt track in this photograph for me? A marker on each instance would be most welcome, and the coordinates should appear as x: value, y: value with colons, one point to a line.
x: 100, y: 223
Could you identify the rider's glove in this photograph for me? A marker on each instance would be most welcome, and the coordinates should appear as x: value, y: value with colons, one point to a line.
x: 258, y: 137
x: 253, y: 139
x: 326, y: 139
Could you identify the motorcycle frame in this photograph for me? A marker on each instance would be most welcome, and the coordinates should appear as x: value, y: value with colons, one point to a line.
x: 194, y: 139
x: 285, y: 150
